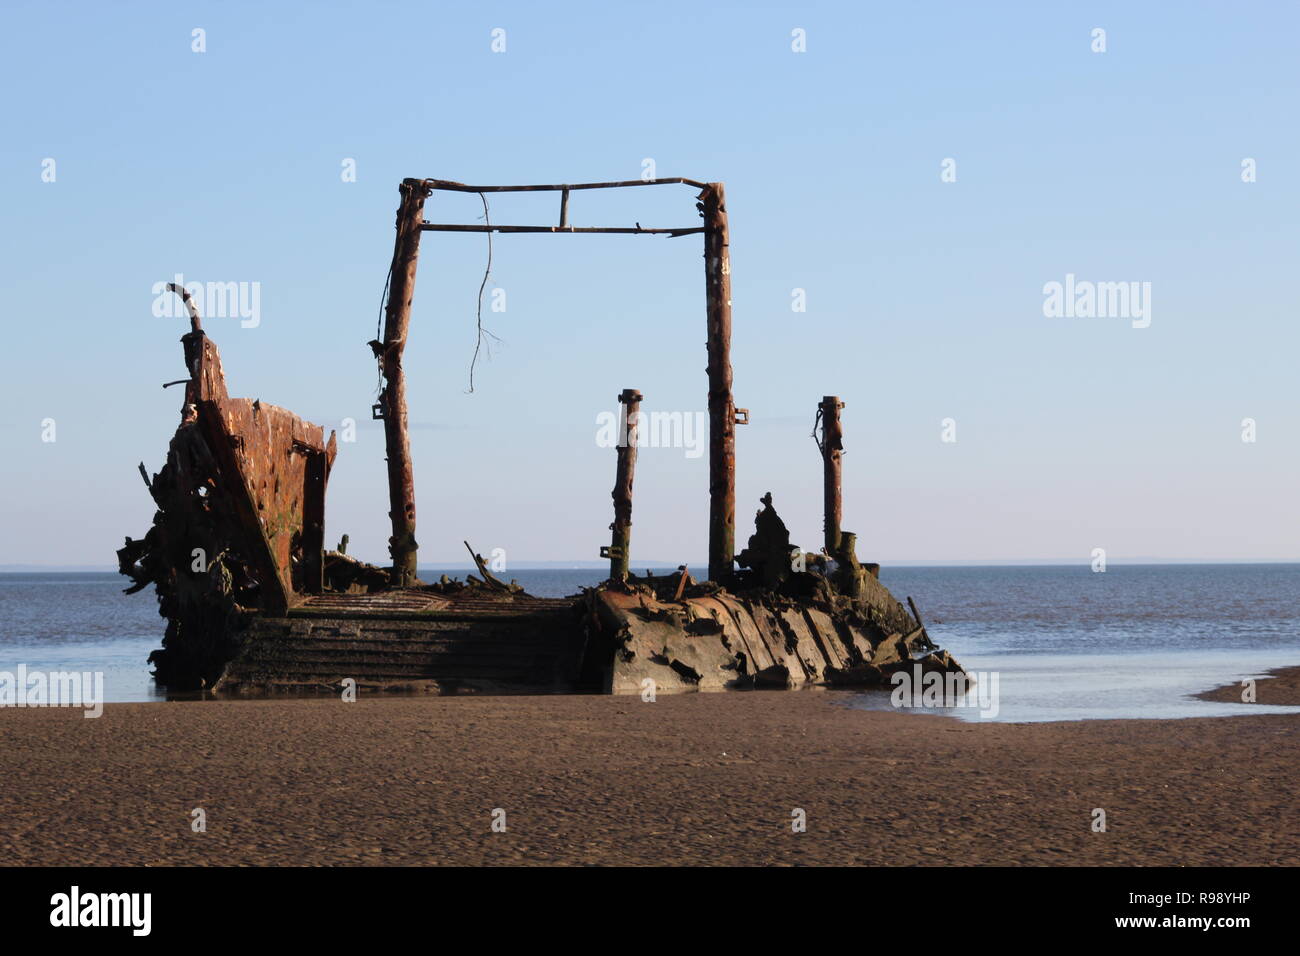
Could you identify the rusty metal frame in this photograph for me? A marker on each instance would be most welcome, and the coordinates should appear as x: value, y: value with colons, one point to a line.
x: 564, y: 226
x: 723, y: 414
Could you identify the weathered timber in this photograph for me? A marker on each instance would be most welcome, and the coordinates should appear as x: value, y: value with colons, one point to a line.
x: 489, y: 578
x: 722, y: 408
x: 683, y: 578
x: 915, y: 613
x: 620, y: 546
x: 413, y: 640
x: 840, y: 545
x: 832, y: 447
x: 402, y: 545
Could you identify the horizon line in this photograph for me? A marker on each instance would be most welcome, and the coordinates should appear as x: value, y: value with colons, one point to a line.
x: 589, y: 565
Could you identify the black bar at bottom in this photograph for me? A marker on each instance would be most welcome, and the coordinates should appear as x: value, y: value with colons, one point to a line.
x: 939, y: 907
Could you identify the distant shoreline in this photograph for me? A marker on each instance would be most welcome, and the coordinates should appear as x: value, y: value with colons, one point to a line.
x: 661, y: 565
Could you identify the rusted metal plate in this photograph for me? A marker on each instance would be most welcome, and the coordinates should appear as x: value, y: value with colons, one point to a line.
x: 265, y: 454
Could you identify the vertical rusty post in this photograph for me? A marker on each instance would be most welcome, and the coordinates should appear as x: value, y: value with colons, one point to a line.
x: 620, y: 545
x: 401, y: 478
x: 313, y: 522
x: 832, y: 452
x: 722, y: 407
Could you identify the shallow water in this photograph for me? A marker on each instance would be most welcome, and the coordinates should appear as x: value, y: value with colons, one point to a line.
x: 1066, y: 643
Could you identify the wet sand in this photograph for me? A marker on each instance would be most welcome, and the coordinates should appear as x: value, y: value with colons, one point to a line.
x: 692, y: 779
x: 1279, y: 687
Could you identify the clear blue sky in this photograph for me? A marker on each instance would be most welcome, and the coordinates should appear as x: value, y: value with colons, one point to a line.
x: 924, y: 298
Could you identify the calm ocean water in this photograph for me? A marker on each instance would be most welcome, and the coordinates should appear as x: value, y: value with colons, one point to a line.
x: 1134, y: 641
x: 1067, y: 643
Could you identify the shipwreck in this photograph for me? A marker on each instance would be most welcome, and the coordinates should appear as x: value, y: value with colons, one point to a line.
x: 255, y: 602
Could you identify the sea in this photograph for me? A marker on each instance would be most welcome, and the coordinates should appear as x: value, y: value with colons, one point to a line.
x: 1065, y: 642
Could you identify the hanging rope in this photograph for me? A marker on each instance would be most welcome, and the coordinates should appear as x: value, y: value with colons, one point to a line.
x: 821, y: 447
x: 478, y: 344
x: 379, y: 355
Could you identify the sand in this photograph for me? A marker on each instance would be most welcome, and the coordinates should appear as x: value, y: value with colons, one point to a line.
x: 690, y: 779
x: 1280, y: 687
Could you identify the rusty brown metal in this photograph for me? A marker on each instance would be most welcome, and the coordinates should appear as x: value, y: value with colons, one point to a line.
x: 226, y: 423
x: 620, y: 546
x: 244, y: 485
x: 564, y: 226
x: 489, y: 579
x: 254, y: 491
x: 832, y: 445
x: 683, y: 573
x: 452, y: 186
x: 723, y: 414
x: 401, y: 478
x: 316, y: 476
x: 915, y: 613
x: 722, y: 408
x: 564, y: 229
x: 260, y: 449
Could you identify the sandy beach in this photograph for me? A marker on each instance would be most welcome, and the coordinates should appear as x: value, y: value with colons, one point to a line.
x: 690, y: 779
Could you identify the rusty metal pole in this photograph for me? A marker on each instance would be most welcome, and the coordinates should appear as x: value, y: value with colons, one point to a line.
x: 315, y: 476
x: 722, y: 407
x: 620, y: 545
x: 832, y: 453
x: 401, y: 477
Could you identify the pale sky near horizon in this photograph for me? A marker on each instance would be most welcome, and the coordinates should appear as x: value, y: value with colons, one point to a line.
x: 924, y: 298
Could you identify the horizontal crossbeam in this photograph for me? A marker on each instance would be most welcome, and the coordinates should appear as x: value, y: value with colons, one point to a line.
x: 448, y: 185
x: 610, y: 230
